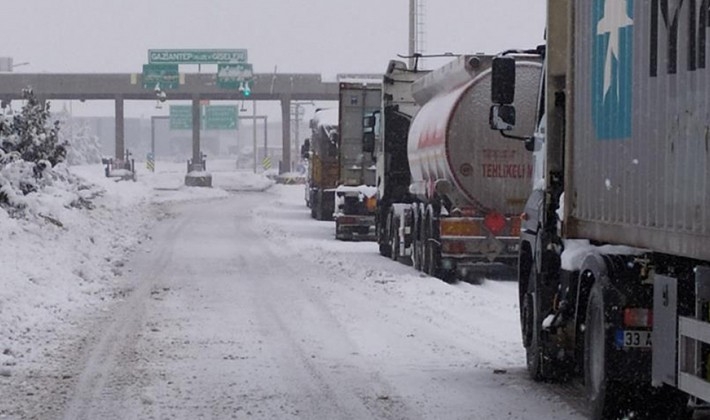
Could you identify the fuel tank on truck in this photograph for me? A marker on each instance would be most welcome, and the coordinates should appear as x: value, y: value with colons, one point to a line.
x: 450, y: 142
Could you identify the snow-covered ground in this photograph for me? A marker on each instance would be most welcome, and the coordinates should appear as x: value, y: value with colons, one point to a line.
x: 64, y: 261
x: 438, y: 348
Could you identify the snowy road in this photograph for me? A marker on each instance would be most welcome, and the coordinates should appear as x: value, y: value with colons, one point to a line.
x: 244, y: 307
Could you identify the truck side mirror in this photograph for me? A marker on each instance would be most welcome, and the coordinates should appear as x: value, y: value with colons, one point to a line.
x: 503, y: 80
x: 369, y: 125
x: 502, y: 117
x: 368, y: 121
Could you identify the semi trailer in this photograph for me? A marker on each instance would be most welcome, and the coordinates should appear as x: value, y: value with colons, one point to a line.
x: 355, y: 195
x: 459, y: 204
x: 322, y: 156
x: 614, y: 259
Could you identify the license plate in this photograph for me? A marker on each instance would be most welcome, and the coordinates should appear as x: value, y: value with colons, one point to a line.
x: 635, y: 338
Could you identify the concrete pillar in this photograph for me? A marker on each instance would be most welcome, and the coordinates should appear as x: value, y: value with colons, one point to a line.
x: 286, y: 134
x: 197, y: 175
x: 196, y: 155
x: 266, y: 136
x: 120, y: 144
x: 253, y: 126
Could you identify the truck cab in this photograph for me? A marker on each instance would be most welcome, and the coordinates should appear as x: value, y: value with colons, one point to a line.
x: 605, y: 294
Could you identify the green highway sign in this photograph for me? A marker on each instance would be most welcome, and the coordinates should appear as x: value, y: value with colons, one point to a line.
x: 220, y: 117
x: 235, y: 76
x: 181, y: 117
x: 197, y: 56
x: 213, y: 117
x: 162, y: 76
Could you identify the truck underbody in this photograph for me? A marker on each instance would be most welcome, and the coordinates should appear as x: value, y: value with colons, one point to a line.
x: 354, y: 214
x: 443, y: 246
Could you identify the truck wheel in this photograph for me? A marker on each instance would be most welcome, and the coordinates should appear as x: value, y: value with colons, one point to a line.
x: 417, y: 245
x: 418, y: 255
x: 433, y: 250
x: 606, y: 397
x: 382, y: 236
x: 314, y: 207
x: 426, y: 234
x: 394, y: 239
x: 384, y: 248
x: 538, y: 362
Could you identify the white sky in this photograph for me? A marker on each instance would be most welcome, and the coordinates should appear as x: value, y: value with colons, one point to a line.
x: 309, y: 36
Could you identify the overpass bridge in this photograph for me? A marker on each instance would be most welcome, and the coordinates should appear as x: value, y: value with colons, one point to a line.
x: 283, y: 87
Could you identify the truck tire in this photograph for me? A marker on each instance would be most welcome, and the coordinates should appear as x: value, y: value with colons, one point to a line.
x: 384, y: 237
x: 607, y: 398
x: 426, y: 235
x: 417, y: 254
x: 433, y: 250
x: 394, y: 238
x: 384, y: 249
x: 538, y: 361
x: 394, y: 251
x: 314, y: 206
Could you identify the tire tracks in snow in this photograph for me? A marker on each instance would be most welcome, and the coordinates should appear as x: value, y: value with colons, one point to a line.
x: 106, y: 367
x: 354, y: 389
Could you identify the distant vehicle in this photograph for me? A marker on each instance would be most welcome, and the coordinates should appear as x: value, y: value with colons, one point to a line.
x: 450, y: 193
x: 614, y: 262
x: 355, y: 195
x: 322, y: 155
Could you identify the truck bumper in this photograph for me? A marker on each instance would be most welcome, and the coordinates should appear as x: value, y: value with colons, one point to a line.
x: 355, y: 228
x: 474, y: 249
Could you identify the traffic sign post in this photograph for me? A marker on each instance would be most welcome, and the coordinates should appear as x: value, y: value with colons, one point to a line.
x: 161, y: 76
x: 266, y: 163
x: 150, y: 162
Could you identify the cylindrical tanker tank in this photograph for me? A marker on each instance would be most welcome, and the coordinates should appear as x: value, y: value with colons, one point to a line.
x: 452, y: 150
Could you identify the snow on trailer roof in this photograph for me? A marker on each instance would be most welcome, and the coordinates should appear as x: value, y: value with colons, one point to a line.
x: 362, y: 81
x: 326, y: 117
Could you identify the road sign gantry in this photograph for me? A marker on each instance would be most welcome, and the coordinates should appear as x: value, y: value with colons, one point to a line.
x: 283, y: 87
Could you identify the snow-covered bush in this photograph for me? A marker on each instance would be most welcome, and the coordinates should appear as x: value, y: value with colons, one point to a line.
x: 30, y: 150
x: 30, y: 133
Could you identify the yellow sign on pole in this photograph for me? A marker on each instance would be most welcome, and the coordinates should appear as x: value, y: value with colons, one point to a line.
x: 266, y: 163
x: 150, y: 162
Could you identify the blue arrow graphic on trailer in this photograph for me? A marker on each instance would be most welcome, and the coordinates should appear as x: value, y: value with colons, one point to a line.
x: 612, y: 68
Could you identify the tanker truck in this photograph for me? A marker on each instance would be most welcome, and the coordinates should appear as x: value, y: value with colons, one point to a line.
x: 466, y: 189
x: 386, y: 138
x: 322, y: 155
x: 355, y: 199
x: 614, y: 260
